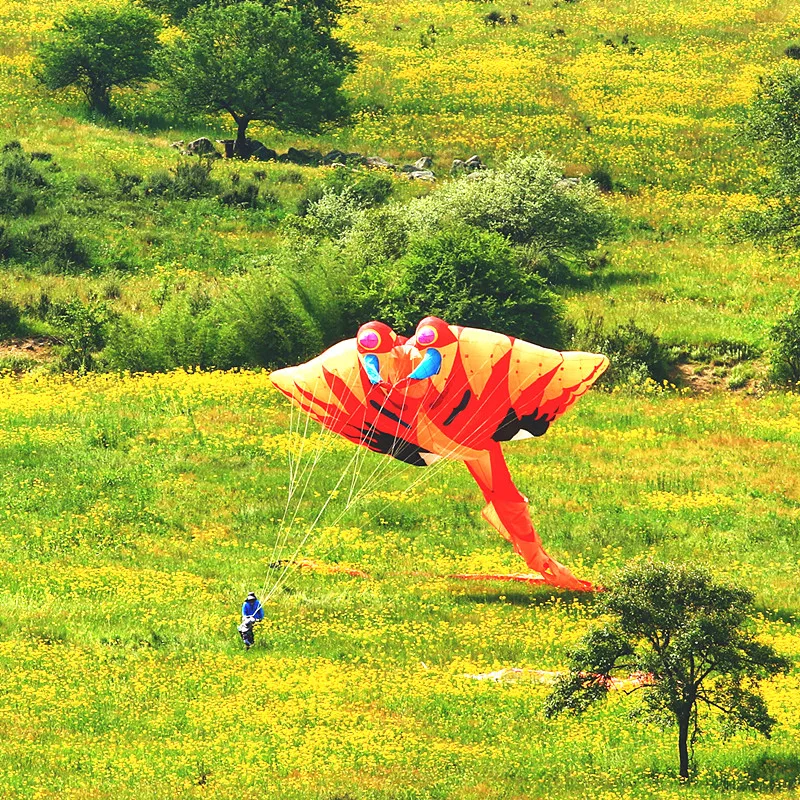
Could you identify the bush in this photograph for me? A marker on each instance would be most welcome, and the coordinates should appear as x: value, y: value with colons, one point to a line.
x: 260, y: 321
x: 82, y: 331
x: 528, y: 202
x: 365, y: 189
x: 601, y: 178
x: 56, y: 249
x: 22, y: 186
x: 785, y: 355
x: 467, y: 277
x: 9, y: 319
x: 635, y: 354
x: 193, y: 179
x: 126, y: 182
x: 241, y: 195
x: 158, y: 184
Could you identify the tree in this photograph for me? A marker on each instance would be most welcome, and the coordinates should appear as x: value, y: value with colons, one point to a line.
x: 692, y: 640
x: 773, y: 123
x: 98, y: 49
x: 785, y: 356
x: 256, y: 63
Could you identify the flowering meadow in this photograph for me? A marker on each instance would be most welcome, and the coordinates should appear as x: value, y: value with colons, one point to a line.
x: 137, y: 512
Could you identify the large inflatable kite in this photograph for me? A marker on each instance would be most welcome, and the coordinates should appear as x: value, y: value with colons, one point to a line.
x: 449, y: 392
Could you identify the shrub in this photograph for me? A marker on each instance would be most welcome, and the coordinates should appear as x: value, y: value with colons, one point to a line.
x: 82, y: 331
x: 271, y: 319
x: 9, y: 318
x: 241, y: 195
x: 528, y: 201
x: 602, y: 179
x: 159, y: 184
x: 126, y: 182
x: 193, y: 179
x: 85, y: 184
x: 260, y: 321
x: 22, y: 186
x: 635, y: 354
x: 56, y: 249
x: 467, y: 277
x: 785, y: 356
x: 366, y: 189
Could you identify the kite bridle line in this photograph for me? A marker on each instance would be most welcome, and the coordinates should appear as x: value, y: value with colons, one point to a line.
x: 386, y: 470
x: 333, y: 493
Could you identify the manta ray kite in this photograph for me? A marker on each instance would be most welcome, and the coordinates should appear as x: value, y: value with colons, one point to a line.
x: 449, y: 392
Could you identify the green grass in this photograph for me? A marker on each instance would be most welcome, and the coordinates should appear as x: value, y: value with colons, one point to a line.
x: 137, y: 513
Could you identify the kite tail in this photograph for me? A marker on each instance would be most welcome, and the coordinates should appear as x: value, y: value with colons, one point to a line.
x: 507, y: 512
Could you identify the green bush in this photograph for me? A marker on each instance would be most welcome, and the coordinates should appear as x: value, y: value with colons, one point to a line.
x: 9, y: 318
x: 365, y: 189
x: 193, y: 179
x: 467, y: 277
x: 785, y: 356
x: 260, y: 321
x: 22, y: 185
x: 635, y: 354
x: 528, y: 201
x: 82, y: 330
x: 55, y: 249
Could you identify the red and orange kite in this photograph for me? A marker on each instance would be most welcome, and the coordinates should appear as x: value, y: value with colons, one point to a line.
x: 449, y: 392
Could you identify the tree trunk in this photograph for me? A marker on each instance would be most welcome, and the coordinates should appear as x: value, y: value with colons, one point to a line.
x: 683, y: 744
x: 241, y: 147
x: 99, y: 99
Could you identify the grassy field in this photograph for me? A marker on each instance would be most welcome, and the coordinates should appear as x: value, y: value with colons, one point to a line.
x: 138, y: 512
x: 651, y: 92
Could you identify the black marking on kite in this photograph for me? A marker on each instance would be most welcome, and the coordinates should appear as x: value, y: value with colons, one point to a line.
x: 386, y: 413
x: 512, y: 425
x: 463, y: 403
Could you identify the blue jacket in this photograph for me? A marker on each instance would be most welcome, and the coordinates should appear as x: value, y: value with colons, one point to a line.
x: 253, y: 609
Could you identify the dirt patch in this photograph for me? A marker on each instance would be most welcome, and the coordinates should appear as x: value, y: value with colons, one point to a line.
x: 37, y: 348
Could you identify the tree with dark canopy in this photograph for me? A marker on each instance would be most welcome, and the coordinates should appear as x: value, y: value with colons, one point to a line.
x: 691, y: 640
x: 773, y: 124
x: 256, y: 62
x: 97, y: 49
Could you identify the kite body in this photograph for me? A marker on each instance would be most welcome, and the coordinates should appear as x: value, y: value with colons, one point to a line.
x: 449, y: 392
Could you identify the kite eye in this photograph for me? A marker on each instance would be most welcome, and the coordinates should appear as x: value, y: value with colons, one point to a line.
x: 427, y: 335
x: 370, y: 340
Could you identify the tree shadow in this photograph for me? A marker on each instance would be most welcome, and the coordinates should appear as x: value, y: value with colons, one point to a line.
x: 765, y: 772
x: 536, y: 596
x: 779, y: 615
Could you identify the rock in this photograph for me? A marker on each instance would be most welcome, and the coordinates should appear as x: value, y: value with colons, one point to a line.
x: 421, y: 175
x: 202, y: 147
x: 303, y: 158
x: 458, y: 167
x: 261, y: 152
x: 178, y: 145
x: 567, y: 183
x: 356, y: 158
x: 475, y: 176
x: 423, y: 163
x: 335, y: 157
x: 408, y: 168
x: 228, y: 145
x: 474, y: 162
x: 376, y: 162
